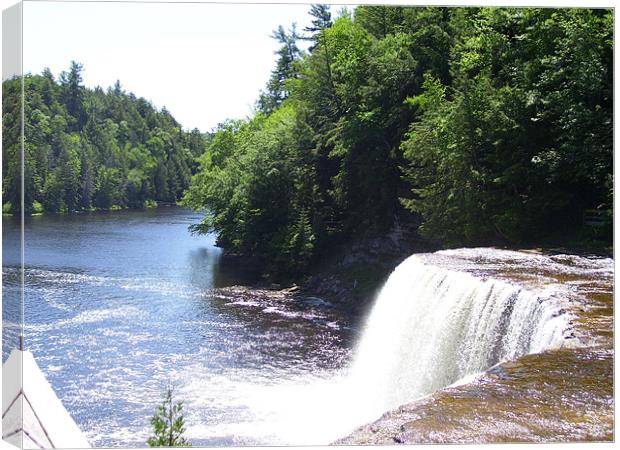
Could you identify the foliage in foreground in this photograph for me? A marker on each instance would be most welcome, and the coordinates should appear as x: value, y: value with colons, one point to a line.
x: 493, y: 125
x: 168, y: 423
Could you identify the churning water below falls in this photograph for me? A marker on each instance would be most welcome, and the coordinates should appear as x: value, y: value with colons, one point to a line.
x: 144, y: 302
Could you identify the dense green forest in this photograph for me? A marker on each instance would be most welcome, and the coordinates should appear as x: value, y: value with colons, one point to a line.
x: 488, y: 125
x: 89, y: 149
x: 478, y: 126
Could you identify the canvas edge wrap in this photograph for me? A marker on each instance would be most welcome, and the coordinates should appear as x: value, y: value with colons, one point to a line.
x: 12, y: 369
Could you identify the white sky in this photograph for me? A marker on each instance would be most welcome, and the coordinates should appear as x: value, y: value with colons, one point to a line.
x: 203, y: 62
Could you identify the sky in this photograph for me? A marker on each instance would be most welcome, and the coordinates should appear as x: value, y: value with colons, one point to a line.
x: 204, y: 62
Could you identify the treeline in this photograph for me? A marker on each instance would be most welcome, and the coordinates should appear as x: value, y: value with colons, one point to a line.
x: 489, y: 125
x: 89, y: 149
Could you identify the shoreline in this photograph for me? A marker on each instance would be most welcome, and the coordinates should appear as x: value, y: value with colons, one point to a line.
x: 353, y: 275
x: 114, y: 208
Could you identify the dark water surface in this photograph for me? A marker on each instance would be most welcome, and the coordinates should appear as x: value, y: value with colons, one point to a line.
x: 119, y: 303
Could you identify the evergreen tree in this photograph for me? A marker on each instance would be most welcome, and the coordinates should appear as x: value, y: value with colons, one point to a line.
x: 284, y: 71
x: 89, y: 148
x: 71, y: 83
x: 168, y: 423
x: 322, y: 19
x: 87, y: 176
x: 68, y: 171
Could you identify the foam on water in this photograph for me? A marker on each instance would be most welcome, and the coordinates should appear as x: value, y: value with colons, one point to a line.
x: 430, y: 328
x: 91, y: 316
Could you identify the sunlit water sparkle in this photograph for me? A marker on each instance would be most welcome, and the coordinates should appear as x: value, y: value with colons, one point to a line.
x: 118, y: 304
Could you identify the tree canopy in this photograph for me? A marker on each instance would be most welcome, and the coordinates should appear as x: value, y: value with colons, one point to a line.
x: 489, y: 125
x: 483, y: 125
x: 86, y: 148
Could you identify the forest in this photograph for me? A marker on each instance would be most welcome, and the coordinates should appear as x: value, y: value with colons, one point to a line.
x: 480, y: 126
x: 483, y: 126
x: 89, y: 149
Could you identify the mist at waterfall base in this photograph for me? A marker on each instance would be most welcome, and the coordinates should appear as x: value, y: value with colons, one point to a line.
x: 429, y: 328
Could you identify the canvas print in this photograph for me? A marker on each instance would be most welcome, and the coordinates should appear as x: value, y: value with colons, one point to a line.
x: 231, y: 224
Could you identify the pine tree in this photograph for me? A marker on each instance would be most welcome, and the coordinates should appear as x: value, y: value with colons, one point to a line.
x: 285, y: 69
x: 87, y: 176
x: 322, y: 20
x: 168, y: 423
x: 72, y: 90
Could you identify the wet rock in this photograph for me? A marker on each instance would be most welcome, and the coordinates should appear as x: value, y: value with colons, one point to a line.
x: 559, y: 312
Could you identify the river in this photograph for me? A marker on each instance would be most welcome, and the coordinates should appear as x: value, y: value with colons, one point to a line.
x: 118, y: 304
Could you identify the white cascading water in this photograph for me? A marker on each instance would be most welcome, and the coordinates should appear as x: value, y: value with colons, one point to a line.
x: 431, y: 327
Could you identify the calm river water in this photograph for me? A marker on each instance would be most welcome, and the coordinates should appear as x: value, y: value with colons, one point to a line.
x: 118, y: 304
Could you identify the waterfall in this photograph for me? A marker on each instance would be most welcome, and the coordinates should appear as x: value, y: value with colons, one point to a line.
x: 431, y: 327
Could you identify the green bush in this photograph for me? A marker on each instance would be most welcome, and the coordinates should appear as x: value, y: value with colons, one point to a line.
x: 37, y: 207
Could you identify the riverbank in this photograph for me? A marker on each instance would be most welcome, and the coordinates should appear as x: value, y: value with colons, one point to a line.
x: 353, y: 274
x: 350, y: 276
x: 37, y: 209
